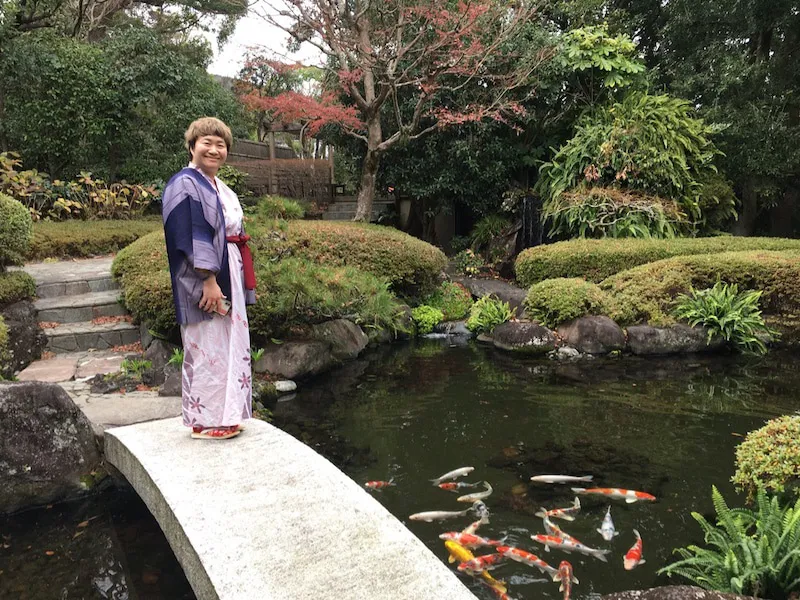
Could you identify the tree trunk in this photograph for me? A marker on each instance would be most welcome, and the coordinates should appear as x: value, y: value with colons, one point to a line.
x: 747, y: 216
x: 781, y: 214
x: 369, y: 170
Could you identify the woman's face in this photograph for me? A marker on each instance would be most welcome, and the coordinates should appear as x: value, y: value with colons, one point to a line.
x: 209, y: 154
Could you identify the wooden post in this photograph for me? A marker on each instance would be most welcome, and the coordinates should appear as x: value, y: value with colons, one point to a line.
x: 273, y: 179
x: 332, y: 178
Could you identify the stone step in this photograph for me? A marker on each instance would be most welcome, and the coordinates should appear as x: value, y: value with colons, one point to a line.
x: 72, y: 277
x: 83, y: 307
x: 76, y: 287
x: 85, y: 335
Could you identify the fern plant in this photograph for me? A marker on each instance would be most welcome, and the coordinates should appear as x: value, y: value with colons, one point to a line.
x: 726, y: 312
x: 751, y: 552
x: 487, y: 313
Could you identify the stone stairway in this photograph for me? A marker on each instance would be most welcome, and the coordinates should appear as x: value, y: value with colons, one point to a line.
x: 345, y: 210
x: 71, y: 295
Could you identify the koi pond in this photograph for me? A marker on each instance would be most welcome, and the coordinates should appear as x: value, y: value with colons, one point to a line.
x: 412, y: 412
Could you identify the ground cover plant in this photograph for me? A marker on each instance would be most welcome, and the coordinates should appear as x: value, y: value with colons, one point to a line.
x: 750, y: 552
x: 769, y: 458
x: 725, y: 312
x: 556, y: 301
x: 426, y: 318
x: 487, y: 313
x: 81, y: 239
x: 595, y: 260
x: 453, y: 299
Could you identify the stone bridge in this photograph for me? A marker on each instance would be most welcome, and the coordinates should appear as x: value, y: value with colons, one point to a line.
x: 263, y: 516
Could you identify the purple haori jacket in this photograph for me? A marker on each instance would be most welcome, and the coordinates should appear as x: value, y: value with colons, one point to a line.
x: 194, y: 228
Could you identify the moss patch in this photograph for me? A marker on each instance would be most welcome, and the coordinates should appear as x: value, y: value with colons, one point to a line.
x: 559, y: 300
x: 16, y: 286
x: 77, y: 239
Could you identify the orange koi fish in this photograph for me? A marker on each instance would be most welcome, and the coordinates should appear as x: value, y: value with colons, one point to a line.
x: 630, y: 496
x: 526, y: 558
x: 566, y: 577
x: 379, y: 485
x: 469, y: 540
x: 479, y: 564
x: 569, y: 545
x: 562, y: 513
x: 633, y: 558
x: 453, y: 486
x: 554, y: 530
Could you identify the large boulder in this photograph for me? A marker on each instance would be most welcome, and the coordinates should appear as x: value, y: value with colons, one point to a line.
x: 293, y: 359
x: 47, y: 447
x: 673, y: 592
x: 26, y: 340
x: 593, y: 335
x: 645, y: 340
x: 498, y: 288
x: 524, y: 337
x: 345, y: 338
x: 158, y: 354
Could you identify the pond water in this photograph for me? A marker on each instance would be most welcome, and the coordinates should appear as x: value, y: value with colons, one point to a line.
x: 665, y: 426
x: 412, y: 412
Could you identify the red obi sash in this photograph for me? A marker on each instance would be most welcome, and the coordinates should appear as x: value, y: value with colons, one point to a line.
x: 247, y: 259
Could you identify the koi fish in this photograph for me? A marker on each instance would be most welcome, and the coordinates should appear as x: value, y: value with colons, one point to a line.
x: 462, y: 472
x: 477, y: 495
x: 630, y: 496
x: 566, y: 577
x: 555, y: 531
x: 607, y: 529
x: 473, y: 527
x: 561, y: 478
x: 481, y: 510
x: 569, y: 545
x: 469, y: 540
x: 526, y: 558
x: 439, y: 515
x: 459, y: 553
x: 379, y: 485
x: 562, y: 513
x: 633, y: 558
x: 479, y: 564
x: 453, y: 486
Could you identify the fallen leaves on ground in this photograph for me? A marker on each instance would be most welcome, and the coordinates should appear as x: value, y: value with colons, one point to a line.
x: 48, y: 324
x: 114, y: 319
x: 134, y: 347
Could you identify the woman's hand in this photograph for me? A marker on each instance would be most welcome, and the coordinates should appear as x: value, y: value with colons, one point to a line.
x: 212, y: 294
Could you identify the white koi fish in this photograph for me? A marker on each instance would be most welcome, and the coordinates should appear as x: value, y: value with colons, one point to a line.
x: 560, y: 478
x: 569, y: 545
x: 607, y: 529
x: 462, y: 472
x: 474, y: 497
x: 439, y: 515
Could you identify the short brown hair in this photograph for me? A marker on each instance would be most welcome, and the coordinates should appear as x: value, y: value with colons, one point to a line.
x: 207, y: 126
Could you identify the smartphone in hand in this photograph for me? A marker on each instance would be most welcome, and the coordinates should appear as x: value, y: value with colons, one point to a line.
x: 223, y: 307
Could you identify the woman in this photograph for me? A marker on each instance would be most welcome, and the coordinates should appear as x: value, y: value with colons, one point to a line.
x: 212, y: 281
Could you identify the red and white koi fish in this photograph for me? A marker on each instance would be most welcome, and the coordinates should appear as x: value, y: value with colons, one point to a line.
x: 469, y: 540
x: 477, y: 495
x: 526, y: 558
x: 560, y: 478
x: 555, y: 531
x: 562, y: 513
x: 461, y: 472
x: 453, y: 486
x: 630, y: 496
x: 479, y: 564
x: 566, y: 577
x: 473, y: 527
x: 633, y: 558
x: 379, y: 485
x: 569, y: 545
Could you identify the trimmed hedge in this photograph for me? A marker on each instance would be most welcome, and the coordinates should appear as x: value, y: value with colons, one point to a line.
x: 411, y: 265
x: 557, y: 301
x: 15, y: 231
x: 68, y: 239
x: 16, y: 286
x: 647, y: 293
x: 302, y: 279
x: 595, y: 260
x: 769, y: 457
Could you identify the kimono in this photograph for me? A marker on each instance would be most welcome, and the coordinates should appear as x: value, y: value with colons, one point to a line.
x: 216, y: 374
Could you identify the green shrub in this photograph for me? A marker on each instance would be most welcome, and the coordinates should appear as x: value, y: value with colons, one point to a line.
x: 595, y: 260
x: 599, y: 212
x: 467, y: 262
x: 487, y: 313
x: 426, y: 318
x: 557, y: 301
x: 176, y: 359
x: 727, y: 313
x: 16, y: 286
x: 748, y: 552
x: 487, y: 230
x: 769, y: 458
x: 453, y: 299
x: 278, y: 207
x: 411, y: 266
x: 78, y: 239
x: 647, y: 293
x: 6, y: 372
x: 236, y: 179
x: 15, y: 231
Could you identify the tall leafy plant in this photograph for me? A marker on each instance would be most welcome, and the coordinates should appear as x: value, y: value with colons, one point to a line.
x: 724, y: 311
x: 752, y: 552
x: 487, y: 313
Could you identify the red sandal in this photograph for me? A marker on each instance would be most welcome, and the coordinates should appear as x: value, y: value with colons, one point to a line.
x: 215, y: 433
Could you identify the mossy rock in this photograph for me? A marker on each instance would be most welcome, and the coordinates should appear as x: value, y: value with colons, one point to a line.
x: 15, y: 231
x: 595, y: 260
